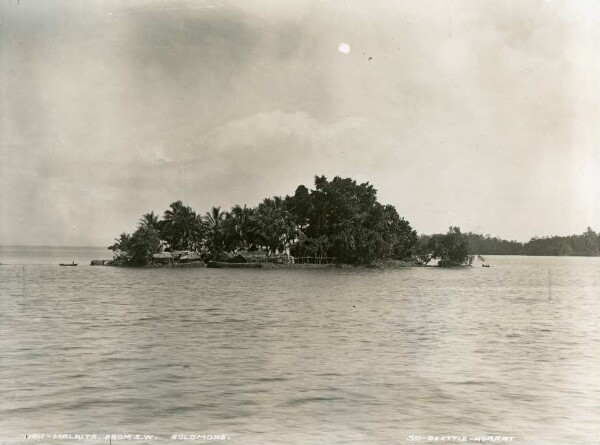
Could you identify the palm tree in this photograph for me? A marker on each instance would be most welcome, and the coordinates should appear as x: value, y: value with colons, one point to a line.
x: 273, y: 225
x: 150, y: 220
x: 181, y: 227
x: 214, y: 221
x: 237, y: 228
x: 215, y: 217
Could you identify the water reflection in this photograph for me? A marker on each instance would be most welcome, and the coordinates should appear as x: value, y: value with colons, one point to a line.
x: 275, y: 356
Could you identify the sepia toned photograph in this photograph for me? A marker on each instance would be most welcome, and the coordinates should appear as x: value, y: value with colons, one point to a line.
x: 308, y: 222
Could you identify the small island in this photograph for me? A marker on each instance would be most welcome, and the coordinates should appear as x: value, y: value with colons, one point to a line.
x: 338, y: 223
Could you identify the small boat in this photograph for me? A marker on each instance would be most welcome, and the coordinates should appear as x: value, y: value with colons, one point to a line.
x: 68, y: 264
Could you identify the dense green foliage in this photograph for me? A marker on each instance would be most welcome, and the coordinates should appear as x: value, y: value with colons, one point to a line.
x: 339, y: 219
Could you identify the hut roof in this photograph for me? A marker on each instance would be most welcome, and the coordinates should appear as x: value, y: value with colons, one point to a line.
x: 162, y: 256
x: 190, y: 256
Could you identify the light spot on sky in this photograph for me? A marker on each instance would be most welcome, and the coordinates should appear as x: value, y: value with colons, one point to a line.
x: 344, y: 48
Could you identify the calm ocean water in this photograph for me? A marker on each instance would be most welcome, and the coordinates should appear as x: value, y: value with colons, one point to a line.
x: 301, y: 356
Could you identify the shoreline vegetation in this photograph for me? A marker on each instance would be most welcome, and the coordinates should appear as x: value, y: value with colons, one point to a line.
x: 339, y: 223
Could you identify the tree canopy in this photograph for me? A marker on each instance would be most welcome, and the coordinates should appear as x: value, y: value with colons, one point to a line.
x: 343, y: 219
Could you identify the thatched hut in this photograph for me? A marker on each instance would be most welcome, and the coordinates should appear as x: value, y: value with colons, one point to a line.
x: 189, y: 257
x: 163, y: 257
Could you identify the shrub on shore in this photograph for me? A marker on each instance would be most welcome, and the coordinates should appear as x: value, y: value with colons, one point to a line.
x: 451, y: 249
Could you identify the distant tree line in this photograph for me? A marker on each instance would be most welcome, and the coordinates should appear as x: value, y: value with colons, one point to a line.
x: 338, y: 219
x: 585, y: 244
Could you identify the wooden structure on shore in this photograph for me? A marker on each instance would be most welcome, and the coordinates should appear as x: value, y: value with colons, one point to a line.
x: 262, y: 257
x: 314, y: 260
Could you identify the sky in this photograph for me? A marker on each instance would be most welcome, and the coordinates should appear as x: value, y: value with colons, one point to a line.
x: 478, y: 114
